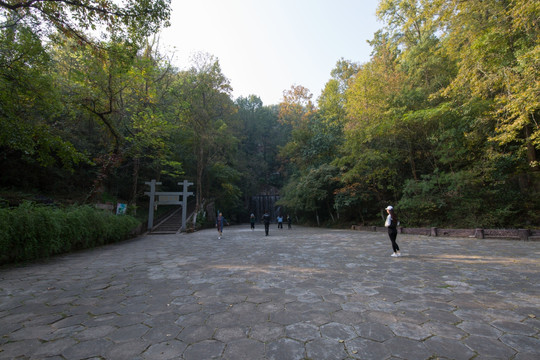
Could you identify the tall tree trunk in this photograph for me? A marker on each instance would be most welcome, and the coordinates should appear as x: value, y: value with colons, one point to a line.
x: 413, y: 163
x: 330, y: 211
x: 109, y: 162
x: 200, y: 170
x: 531, y: 151
x: 135, y: 179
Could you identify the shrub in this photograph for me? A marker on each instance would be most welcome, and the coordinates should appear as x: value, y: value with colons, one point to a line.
x: 31, y: 231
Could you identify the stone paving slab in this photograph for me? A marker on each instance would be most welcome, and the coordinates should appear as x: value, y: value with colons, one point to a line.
x: 303, y: 293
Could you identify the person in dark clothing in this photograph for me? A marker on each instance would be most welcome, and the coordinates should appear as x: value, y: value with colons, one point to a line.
x: 289, y: 221
x: 392, y: 224
x: 266, y: 220
x: 252, y: 221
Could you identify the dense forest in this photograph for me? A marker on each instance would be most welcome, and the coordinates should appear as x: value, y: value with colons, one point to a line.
x: 442, y: 122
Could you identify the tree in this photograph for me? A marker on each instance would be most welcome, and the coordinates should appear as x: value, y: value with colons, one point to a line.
x: 296, y: 106
x: 204, y: 108
x: 315, y: 137
x: 74, y: 23
x: 332, y: 101
x: 369, y: 161
x: 260, y: 137
x: 136, y: 19
x: 311, y: 193
x: 458, y: 60
x: 296, y: 111
x: 146, y: 105
x: 496, y: 44
x: 120, y: 91
x: 30, y: 104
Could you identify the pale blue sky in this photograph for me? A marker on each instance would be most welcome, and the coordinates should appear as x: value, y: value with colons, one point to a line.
x: 266, y: 46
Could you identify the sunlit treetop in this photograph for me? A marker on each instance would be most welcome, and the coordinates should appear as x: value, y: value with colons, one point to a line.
x: 86, y: 19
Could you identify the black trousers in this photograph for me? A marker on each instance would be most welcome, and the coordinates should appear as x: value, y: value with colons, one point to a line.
x: 392, y: 233
x: 266, y: 227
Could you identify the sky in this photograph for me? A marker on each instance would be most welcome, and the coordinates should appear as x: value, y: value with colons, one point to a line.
x: 266, y: 46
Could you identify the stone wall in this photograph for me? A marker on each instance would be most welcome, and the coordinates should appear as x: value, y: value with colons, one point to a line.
x: 514, y: 234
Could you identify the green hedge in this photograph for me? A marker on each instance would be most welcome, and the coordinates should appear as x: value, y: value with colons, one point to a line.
x: 31, y: 231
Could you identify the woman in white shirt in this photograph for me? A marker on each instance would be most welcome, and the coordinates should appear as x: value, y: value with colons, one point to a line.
x: 392, y: 223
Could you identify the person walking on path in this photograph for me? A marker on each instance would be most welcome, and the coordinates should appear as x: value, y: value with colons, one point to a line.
x: 266, y: 220
x: 280, y: 222
x: 252, y: 221
x: 392, y: 223
x: 289, y: 221
x: 220, y: 222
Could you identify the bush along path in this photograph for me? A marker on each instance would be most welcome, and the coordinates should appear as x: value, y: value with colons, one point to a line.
x: 30, y: 231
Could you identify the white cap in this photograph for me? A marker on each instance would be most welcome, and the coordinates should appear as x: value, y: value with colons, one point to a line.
x: 389, y: 207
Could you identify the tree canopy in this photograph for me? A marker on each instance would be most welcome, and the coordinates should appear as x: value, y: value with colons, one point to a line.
x: 74, y: 19
x: 441, y: 122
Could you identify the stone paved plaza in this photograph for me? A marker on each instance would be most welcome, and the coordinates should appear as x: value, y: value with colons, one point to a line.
x: 303, y: 293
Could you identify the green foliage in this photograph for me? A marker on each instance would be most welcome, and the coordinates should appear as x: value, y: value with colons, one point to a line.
x: 205, y: 112
x: 29, y: 102
x: 227, y: 193
x: 441, y: 122
x: 311, y: 192
x: 465, y: 199
x: 30, y: 232
x: 133, y: 18
x: 261, y: 136
x: 496, y: 45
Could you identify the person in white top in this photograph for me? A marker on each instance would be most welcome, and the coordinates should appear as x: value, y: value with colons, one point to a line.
x: 392, y: 223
